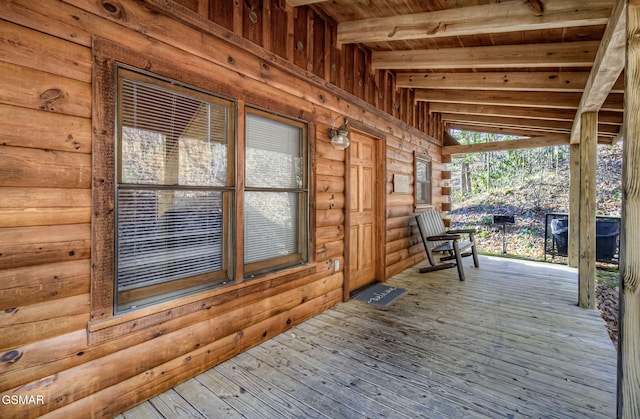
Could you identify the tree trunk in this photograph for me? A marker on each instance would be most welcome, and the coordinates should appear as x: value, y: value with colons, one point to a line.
x: 464, y: 178
x: 488, y: 170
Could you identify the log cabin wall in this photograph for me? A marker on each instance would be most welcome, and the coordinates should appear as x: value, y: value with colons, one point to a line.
x: 50, y: 344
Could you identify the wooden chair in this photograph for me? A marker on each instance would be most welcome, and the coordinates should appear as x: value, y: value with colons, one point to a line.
x: 437, y: 239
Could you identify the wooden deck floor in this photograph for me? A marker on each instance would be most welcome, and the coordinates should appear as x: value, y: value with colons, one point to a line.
x: 508, y: 342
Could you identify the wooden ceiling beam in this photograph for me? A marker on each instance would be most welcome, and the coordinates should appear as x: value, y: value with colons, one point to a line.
x: 492, y: 129
x: 505, y: 129
x: 605, y: 138
x: 541, y: 124
x: 562, y: 54
x: 543, y: 81
x: 608, y: 65
x: 518, y: 130
x: 296, y: 3
x: 549, y: 100
x: 508, y: 16
x: 533, y: 142
x: 611, y: 118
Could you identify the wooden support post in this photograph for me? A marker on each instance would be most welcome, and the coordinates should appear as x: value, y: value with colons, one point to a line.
x: 629, y: 339
x: 587, y: 210
x: 574, y: 205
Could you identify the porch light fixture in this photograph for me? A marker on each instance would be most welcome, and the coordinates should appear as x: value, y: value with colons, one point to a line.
x: 340, y: 137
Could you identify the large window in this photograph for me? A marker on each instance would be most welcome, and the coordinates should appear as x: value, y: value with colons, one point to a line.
x: 275, y: 199
x: 422, y: 181
x: 174, y: 190
x: 176, y: 219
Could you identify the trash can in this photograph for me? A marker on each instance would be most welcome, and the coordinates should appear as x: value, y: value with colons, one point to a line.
x: 606, y: 240
x: 560, y: 231
x: 607, y: 237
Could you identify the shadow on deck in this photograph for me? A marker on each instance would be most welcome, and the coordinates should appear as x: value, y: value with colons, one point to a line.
x: 510, y: 341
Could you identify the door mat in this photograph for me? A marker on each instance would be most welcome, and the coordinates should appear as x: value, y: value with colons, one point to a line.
x: 380, y: 295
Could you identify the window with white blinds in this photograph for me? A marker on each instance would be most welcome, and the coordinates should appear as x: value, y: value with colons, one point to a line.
x: 275, y: 200
x: 422, y: 181
x: 173, y: 190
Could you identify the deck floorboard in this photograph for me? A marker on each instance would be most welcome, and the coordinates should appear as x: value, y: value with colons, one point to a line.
x: 509, y: 341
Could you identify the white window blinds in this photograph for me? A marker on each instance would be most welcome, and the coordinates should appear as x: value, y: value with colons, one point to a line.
x: 167, y: 235
x: 423, y: 181
x: 172, y: 173
x: 273, y: 154
x: 271, y: 225
x: 275, y: 207
x: 172, y: 139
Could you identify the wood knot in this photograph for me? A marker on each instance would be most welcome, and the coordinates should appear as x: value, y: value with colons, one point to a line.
x: 114, y: 9
x: 11, y: 356
x: 109, y: 7
x: 49, y: 97
x: 536, y: 6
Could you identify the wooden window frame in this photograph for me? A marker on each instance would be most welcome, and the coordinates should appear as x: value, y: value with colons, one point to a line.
x: 418, y: 159
x: 175, y: 288
x: 104, y: 323
x: 259, y: 268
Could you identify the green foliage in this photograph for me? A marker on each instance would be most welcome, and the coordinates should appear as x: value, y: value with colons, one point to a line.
x: 610, y: 278
x: 529, y: 231
x: 482, y: 172
x: 526, y: 183
x: 487, y: 220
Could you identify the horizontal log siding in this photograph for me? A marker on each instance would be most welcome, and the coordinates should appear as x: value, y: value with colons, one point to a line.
x: 403, y: 246
x: 45, y: 195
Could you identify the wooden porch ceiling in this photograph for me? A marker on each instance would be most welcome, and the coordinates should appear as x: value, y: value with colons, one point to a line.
x: 508, y: 341
x: 497, y: 60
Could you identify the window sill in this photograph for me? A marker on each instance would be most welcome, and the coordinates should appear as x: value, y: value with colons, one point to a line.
x: 127, y: 323
x: 422, y: 207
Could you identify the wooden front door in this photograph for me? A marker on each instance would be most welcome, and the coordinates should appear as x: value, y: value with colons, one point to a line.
x: 363, y: 231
